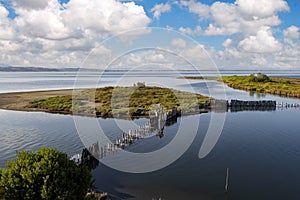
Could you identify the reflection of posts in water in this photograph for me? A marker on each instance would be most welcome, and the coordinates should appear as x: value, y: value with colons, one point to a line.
x: 239, y: 105
x: 171, y: 121
x: 154, y: 126
x: 89, y: 160
x: 219, y: 105
x: 227, y: 181
x: 239, y: 109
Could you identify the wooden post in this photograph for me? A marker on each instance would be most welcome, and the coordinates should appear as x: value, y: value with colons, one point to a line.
x: 226, y: 181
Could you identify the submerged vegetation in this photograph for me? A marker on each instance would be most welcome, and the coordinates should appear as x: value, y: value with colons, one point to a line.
x: 120, y: 101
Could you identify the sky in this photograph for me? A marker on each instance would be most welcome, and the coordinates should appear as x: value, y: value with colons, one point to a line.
x: 227, y: 34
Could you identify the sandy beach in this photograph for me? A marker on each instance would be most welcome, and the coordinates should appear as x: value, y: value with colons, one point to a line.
x: 21, y: 100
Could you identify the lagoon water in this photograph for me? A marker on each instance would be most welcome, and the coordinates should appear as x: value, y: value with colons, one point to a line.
x: 261, y: 149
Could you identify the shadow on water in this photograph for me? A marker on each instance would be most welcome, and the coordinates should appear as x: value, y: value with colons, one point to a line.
x: 98, y: 170
x: 111, y: 183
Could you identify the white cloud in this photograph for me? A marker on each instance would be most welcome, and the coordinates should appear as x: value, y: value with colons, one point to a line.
x: 196, y: 7
x: 243, y: 16
x: 189, y: 31
x: 291, y: 33
x: 227, y: 42
x: 229, y: 18
x: 288, y: 58
x: 226, y: 19
x: 199, y: 55
x: 259, y: 61
x: 262, y: 42
x: 250, y: 25
x: 31, y: 4
x: 6, y: 26
x: 158, y: 9
x: 46, y: 33
x: 78, y: 18
x: 170, y: 57
x: 261, y: 9
x: 178, y: 42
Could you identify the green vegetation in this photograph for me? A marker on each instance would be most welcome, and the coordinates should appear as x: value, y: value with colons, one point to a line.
x: 289, y: 87
x: 47, y: 174
x: 193, y: 77
x: 121, y: 101
x: 200, y: 77
x: 262, y: 83
x: 52, y: 104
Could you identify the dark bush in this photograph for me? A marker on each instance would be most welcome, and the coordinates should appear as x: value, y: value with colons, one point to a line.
x: 47, y: 174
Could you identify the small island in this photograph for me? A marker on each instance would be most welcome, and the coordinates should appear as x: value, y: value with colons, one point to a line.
x: 106, y: 102
x: 282, y: 86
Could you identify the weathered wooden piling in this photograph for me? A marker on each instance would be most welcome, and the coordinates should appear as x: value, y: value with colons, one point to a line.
x: 154, y: 126
x: 227, y: 181
x: 264, y: 105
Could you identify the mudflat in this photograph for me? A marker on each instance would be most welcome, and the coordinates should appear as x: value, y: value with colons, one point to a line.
x: 21, y: 100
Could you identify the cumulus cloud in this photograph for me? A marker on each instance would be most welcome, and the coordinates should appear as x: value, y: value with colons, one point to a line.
x: 250, y: 27
x: 44, y: 32
x: 186, y: 56
x: 259, y: 61
x: 189, y: 31
x: 6, y: 26
x: 229, y: 18
x: 196, y: 7
x: 262, y: 42
x: 250, y: 9
x: 227, y: 42
x: 178, y: 42
x: 79, y: 18
x: 32, y: 4
x: 226, y: 19
x: 158, y: 9
x: 242, y: 16
x: 291, y: 33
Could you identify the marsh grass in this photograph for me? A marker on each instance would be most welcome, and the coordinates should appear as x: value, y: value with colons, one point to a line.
x: 119, y: 101
x: 289, y: 87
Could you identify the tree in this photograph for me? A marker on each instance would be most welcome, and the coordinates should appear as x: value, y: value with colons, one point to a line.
x: 259, y: 78
x: 262, y: 78
x: 47, y: 174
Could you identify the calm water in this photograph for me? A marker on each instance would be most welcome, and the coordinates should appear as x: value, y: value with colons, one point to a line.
x: 260, y: 148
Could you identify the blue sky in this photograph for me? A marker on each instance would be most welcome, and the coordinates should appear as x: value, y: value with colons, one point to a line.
x: 236, y: 34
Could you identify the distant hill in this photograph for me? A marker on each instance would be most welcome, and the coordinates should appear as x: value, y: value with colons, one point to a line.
x: 27, y: 69
x: 6, y: 68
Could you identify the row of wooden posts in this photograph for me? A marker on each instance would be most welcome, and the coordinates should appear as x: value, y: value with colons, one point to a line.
x: 155, y: 126
x: 160, y: 118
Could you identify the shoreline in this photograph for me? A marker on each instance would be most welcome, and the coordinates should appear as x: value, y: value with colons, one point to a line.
x: 274, y: 85
x: 19, y: 101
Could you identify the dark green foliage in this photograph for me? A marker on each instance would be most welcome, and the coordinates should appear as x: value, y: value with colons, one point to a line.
x: 139, y: 84
x: 259, y: 78
x: 47, y: 174
x: 193, y: 77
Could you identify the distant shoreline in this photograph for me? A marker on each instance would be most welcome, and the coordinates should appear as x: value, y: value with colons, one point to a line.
x: 274, y: 85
